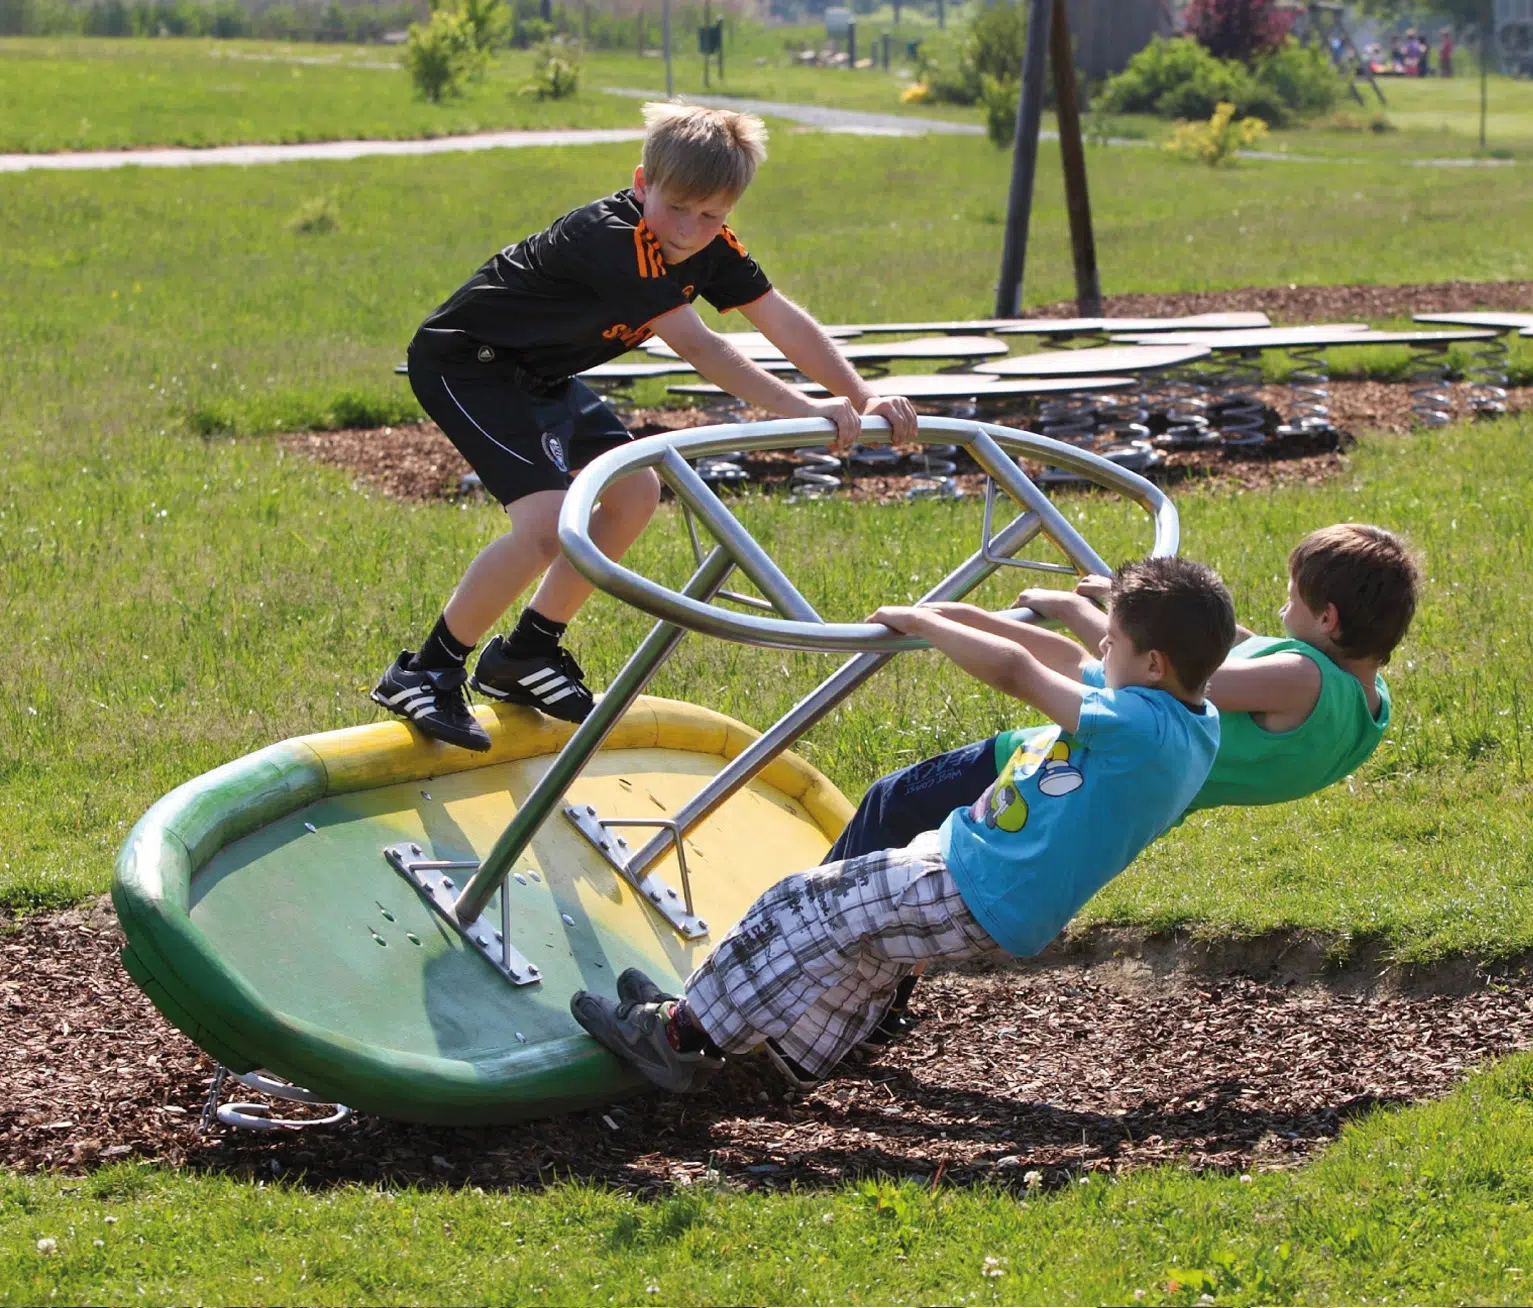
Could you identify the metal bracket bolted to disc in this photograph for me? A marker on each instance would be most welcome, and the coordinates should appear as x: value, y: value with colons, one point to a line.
x: 662, y: 898
x: 432, y: 877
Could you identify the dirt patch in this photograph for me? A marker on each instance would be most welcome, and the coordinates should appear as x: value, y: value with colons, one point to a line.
x: 1056, y: 1071
x: 417, y: 462
x: 1287, y: 305
x: 420, y: 463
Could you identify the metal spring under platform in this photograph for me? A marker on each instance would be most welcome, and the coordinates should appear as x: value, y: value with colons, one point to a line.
x: 1309, y: 390
x: 1070, y: 417
x: 724, y: 469
x: 932, y: 474
x: 1123, y: 418
x: 1486, y: 376
x: 1431, y: 393
x: 1184, y: 398
x: 816, y: 475
x: 1242, y: 416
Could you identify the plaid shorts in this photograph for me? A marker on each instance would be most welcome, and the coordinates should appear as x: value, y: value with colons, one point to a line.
x: 815, y: 961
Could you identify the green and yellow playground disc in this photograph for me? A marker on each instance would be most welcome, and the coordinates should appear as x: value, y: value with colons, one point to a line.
x: 263, y: 920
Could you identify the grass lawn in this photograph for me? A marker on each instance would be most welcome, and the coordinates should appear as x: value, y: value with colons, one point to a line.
x: 172, y: 602
x: 85, y: 93
x: 100, y: 94
x: 1430, y: 1205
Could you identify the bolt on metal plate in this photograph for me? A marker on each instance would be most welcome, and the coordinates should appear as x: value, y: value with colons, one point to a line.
x: 430, y: 877
x: 652, y: 889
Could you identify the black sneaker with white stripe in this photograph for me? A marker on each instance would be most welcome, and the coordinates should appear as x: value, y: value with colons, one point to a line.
x: 553, y: 682
x: 433, y: 699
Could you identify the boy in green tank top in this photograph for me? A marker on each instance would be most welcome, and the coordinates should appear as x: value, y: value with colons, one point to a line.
x: 1305, y: 709
x: 1298, y: 711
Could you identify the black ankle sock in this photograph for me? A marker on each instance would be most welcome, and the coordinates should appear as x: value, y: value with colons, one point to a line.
x: 441, y: 649
x: 902, y: 993
x: 534, y: 634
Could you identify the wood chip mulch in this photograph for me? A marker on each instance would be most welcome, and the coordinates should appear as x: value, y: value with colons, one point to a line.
x: 1292, y: 305
x: 1052, y: 1072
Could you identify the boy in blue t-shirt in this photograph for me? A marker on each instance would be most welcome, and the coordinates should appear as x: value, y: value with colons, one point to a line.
x: 812, y: 966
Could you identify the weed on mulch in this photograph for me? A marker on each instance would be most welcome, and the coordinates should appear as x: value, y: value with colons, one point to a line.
x: 1007, y: 1074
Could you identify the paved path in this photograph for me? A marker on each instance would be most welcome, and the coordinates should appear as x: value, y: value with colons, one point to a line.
x: 177, y: 157
x: 856, y: 121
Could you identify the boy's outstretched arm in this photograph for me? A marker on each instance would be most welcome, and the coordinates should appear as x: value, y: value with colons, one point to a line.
x: 1288, y: 684
x: 998, y: 661
x: 795, y: 332
x: 726, y: 367
x: 1080, y: 617
x: 1048, y: 647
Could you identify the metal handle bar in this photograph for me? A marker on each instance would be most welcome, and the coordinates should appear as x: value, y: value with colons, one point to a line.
x: 993, y: 447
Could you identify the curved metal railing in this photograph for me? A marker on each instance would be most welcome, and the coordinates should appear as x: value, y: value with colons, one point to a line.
x: 796, y: 624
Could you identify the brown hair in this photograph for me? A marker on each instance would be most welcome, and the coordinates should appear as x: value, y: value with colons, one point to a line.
x: 1368, y: 574
x: 1180, y: 608
x: 692, y: 153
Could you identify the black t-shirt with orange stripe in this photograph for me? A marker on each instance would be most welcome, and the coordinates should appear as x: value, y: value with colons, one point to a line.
x: 579, y: 294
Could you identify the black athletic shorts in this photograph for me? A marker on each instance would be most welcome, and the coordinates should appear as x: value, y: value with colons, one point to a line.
x: 517, y: 439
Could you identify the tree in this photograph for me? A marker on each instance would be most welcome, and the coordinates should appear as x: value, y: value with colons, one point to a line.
x: 1238, y: 29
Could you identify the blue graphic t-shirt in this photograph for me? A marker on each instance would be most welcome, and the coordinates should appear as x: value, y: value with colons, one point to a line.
x: 1070, y: 810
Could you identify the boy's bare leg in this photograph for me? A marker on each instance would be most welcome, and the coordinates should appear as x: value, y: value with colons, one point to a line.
x: 620, y: 516
x: 505, y: 567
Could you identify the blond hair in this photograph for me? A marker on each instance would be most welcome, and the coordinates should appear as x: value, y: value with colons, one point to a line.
x: 692, y: 153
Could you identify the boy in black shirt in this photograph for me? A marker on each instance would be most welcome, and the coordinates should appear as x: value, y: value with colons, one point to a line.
x: 495, y: 368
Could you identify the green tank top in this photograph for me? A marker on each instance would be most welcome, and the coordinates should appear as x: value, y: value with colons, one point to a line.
x: 1257, y: 766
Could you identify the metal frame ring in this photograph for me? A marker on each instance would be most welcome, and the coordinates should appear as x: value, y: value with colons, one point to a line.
x: 995, y: 448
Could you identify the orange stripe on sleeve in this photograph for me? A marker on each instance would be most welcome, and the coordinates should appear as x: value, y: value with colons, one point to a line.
x: 733, y: 242
x: 638, y: 245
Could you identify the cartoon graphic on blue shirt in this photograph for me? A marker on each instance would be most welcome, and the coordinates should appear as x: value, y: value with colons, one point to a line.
x: 1003, y: 806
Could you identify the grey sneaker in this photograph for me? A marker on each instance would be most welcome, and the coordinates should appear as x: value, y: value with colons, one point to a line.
x: 634, y: 987
x: 636, y: 1034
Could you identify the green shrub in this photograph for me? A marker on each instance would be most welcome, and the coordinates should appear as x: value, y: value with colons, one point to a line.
x: 995, y: 42
x: 555, y: 72
x: 531, y: 31
x: 1000, y: 100
x: 1178, y: 78
x: 954, y: 67
x: 1302, y: 77
x: 440, y: 55
x: 944, y: 68
x: 489, y: 22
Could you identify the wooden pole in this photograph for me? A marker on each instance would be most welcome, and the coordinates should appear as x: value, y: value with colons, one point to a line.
x: 1083, y: 246
x: 1024, y: 159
